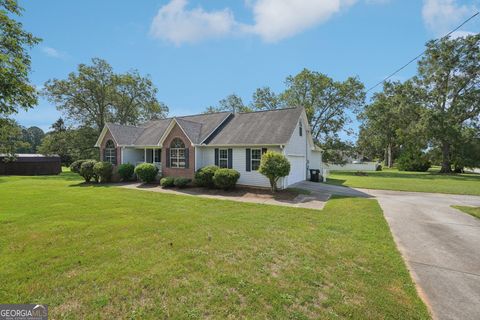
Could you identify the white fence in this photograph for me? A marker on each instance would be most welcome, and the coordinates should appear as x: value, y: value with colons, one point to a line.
x: 365, y: 166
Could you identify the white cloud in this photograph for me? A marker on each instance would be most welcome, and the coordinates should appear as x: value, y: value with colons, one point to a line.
x: 177, y: 24
x: 274, y: 20
x: 52, y: 52
x: 279, y: 19
x: 440, y: 16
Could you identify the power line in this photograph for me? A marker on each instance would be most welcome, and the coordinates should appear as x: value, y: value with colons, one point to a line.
x: 421, y: 54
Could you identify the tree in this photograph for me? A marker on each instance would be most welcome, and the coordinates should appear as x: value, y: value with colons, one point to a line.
x: 33, y: 137
x: 11, y: 138
x: 265, y: 99
x: 96, y: 95
x: 59, y: 125
x: 135, y: 99
x: 449, y: 76
x: 15, y: 88
x: 232, y: 103
x: 274, y: 166
x: 392, y: 122
x: 328, y: 103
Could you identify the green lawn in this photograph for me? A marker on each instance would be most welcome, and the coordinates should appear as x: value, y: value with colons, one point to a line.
x: 106, y: 252
x: 392, y: 179
x: 474, y: 211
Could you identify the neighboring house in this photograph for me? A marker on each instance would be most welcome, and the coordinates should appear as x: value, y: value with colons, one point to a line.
x: 179, y: 146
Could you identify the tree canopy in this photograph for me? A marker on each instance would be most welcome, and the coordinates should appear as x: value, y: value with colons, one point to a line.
x: 95, y: 95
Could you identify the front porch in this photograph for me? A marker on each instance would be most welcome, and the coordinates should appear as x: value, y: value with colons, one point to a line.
x: 137, y: 156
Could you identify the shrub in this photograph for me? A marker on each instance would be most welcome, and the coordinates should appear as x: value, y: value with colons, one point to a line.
x: 146, y: 172
x: 204, y: 176
x: 225, y: 178
x: 378, y: 167
x: 274, y: 165
x: 125, y: 171
x: 75, y: 166
x: 86, y: 170
x: 181, y: 182
x: 413, y: 161
x: 167, y: 182
x: 103, y: 170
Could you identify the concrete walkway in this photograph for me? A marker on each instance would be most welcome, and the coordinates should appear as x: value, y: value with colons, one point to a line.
x: 440, y: 245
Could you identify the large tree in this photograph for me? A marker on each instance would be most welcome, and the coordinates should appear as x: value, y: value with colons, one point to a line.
x: 449, y: 75
x: 33, y: 137
x: 265, y: 99
x: 11, y: 139
x: 328, y: 103
x: 96, y: 95
x: 232, y: 103
x: 15, y: 88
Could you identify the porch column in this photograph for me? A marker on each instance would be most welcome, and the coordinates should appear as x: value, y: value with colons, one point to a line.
x: 145, y: 155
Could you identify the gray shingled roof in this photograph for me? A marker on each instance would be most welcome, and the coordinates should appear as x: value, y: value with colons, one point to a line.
x: 258, y: 128
x: 252, y: 128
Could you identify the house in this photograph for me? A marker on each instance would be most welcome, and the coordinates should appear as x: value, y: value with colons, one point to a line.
x: 179, y: 146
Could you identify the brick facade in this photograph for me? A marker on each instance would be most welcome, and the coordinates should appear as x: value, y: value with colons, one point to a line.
x: 189, y: 172
x: 108, y: 136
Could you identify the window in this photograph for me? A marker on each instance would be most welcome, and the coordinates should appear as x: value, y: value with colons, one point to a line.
x: 223, y: 158
x: 157, y: 155
x: 177, y: 153
x: 255, y: 158
x: 300, y: 128
x: 110, y: 153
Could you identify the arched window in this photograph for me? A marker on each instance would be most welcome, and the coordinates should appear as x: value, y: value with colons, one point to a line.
x: 177, y: 154
x: 110, y: 153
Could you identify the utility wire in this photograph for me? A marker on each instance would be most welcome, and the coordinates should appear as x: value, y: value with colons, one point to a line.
x: 421, y: 54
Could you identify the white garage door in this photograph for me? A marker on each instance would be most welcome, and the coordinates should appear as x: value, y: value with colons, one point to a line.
x: 297, y: 169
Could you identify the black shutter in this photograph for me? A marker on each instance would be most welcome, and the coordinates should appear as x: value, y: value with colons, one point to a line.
x: 264, y: 150
x: 186, y: 158
x: 230, y: 159
x: 167, y: 158
x: 216, y: 157
x: 247, y: 164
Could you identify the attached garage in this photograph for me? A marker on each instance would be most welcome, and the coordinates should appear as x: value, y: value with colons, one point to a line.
x: 298, y: 169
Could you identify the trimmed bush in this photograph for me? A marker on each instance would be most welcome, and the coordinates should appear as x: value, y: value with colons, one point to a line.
x: 86, y: 170
x: 146, y: 172
x: 167, y: 182
x: 225, y: 178
x: 378, y: 167
x: 413, y: 161
x: 181, y: 182
x: 125, y: 171
x: 274, y: 165
x: 103, y: 170
x: 204, y: 176
x: 75, y: 166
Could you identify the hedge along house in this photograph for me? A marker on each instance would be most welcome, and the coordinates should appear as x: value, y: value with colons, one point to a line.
x: 179, y: 146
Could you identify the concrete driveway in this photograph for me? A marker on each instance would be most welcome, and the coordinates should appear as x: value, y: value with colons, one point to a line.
x: 440, y: 245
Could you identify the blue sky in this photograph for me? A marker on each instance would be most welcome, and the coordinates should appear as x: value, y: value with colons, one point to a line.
x: 198, y: 52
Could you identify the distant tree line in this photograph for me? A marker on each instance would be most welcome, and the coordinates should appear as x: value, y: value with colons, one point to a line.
x: 432, y: 117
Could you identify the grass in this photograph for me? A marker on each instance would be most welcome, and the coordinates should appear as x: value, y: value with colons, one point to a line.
x: 392, y: 179
x: 94, y: 252
x: 473, y: 211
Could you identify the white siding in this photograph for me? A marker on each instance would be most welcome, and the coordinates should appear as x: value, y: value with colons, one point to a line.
x: 298, y: 150
x: 132, y: 155
x: 249, y: 178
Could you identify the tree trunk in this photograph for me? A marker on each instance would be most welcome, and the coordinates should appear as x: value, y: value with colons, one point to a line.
x: 390, y: 160
x: 273, y: 185
x: 446, y: 166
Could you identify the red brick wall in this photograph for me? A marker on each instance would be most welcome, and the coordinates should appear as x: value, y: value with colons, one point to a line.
x: 178, y: 172
x: 108, y: 136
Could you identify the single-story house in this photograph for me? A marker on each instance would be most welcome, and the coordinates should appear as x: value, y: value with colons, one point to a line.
x: 179, y: 146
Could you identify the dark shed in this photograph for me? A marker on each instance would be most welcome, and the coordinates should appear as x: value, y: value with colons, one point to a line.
x: 31, y: 165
